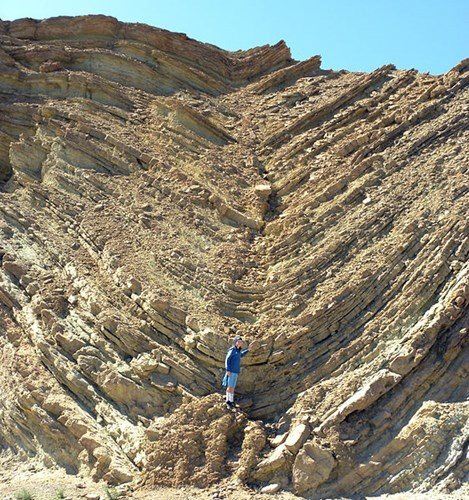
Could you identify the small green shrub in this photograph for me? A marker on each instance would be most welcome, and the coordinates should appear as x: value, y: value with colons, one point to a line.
x: 112, y: 493
x: 24, y: 495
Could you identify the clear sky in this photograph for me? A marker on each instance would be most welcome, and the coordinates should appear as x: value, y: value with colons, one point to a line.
x: 359, y: 35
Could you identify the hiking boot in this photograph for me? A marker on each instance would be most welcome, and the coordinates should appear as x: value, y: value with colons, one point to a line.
x: 229, y: 405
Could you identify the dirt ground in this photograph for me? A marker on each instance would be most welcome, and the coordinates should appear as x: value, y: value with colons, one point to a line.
x: 51, y: 484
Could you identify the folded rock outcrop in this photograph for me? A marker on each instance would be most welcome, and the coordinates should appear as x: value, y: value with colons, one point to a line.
x: 157, y: 193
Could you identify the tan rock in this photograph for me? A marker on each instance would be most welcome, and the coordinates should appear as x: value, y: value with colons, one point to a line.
x: 296, y: 437
x: 312, y: 467
x: 278, y: 461
x: 159, y: 195
x: 270, y: 489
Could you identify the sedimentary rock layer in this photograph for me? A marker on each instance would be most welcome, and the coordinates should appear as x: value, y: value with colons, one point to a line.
x: 158, y: 194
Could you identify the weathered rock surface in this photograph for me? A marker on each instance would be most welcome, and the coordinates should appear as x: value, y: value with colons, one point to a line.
x: 313, y: 466
x: 156, y: 192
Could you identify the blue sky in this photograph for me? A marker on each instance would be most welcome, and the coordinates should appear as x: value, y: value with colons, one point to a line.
x: 359, y: 35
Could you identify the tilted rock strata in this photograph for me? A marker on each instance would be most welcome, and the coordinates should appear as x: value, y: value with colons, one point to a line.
x: 157, y: 191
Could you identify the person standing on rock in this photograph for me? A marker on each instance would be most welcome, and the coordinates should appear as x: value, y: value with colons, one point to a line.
x: 233, y: 367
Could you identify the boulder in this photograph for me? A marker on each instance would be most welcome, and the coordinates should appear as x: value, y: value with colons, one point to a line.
x: 312, y: 467
x: 278, y: 461
x: 296, y: 437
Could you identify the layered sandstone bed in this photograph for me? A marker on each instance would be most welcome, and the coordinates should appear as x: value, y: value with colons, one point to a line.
x: 157, y: 192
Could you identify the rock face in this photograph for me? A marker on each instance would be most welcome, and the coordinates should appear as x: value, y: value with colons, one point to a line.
x: 156, y: 191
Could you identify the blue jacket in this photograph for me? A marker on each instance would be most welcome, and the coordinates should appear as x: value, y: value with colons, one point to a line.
x: 233, y: 359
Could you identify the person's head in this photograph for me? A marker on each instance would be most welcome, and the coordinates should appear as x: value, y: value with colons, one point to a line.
x: 238, y: 342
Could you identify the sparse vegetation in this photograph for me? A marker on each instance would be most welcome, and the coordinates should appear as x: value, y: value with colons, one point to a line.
x: 24, y: 495
x: 112, y: 493
x: 60, y: 494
